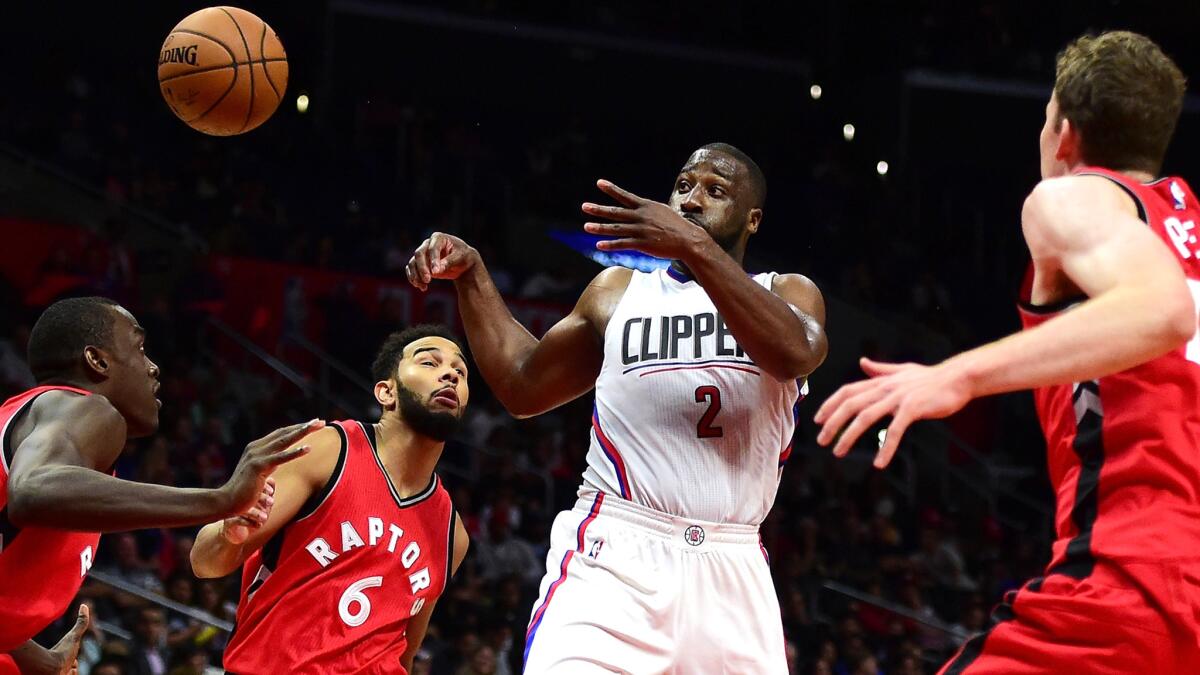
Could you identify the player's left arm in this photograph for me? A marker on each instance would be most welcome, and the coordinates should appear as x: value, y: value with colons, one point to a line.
x: 1138, y: 308
x: 419, y: 624
x: 782, y: 329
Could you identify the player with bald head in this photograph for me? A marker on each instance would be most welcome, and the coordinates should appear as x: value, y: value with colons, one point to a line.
x: 698, y: 369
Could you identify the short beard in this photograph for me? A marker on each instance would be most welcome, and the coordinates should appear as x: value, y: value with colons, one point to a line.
x: 439, y: 426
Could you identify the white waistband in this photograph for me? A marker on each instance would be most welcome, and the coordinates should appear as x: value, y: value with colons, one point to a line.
x: 696, y: 534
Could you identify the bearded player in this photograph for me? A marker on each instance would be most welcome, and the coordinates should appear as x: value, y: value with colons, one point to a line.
x: 1112, y: 353
x: 96, y: 389
x: 362, y: 538
x: 697, y: 371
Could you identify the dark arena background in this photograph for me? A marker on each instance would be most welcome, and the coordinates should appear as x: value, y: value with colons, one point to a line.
x: 898, y: 141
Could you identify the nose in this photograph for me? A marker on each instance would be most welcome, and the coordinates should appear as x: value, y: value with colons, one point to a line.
x: 154, y: 371
x: 691, y: 201
x: 450, y: 377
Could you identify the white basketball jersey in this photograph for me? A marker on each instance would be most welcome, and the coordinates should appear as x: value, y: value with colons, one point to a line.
x: 685, y: 423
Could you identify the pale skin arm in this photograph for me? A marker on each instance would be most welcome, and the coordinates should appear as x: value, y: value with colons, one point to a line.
x: 1084, y: 234
x: 782, y: 329
x: 223, y: 546
x: 419, y: 624
x: 529, y: 376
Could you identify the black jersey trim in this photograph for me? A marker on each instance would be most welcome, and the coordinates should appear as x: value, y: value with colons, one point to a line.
x: 1053, y: 307
x: 402, y: 502
x: 972, y: 649
x: 1143, y: 214
x: 318, y: 498
x: 450, y: 549
x: 1078, y: 561
x: 8, y: 531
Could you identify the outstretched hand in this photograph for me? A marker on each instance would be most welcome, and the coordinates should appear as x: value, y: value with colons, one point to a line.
x: 905, y: 391
x: 248, y: 487
x: 641, y: 224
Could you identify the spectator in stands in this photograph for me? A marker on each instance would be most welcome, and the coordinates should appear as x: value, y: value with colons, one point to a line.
x: 150, y: 655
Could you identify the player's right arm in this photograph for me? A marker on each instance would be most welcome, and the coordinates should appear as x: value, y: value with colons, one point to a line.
x: 59, y: 474
x: 223, y: 546
x: 1085, y: 236
x: 529, y: 376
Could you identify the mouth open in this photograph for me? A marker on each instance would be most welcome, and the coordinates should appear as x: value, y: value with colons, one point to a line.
x: 447, y: 397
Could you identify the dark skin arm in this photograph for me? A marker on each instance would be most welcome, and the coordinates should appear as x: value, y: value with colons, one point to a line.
x: 529, y: 376
x: 61, y: 659
x: 67, y: 444
x: 782, y: 329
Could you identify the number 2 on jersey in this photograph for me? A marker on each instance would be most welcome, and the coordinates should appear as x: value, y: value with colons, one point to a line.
x: 704, y: 428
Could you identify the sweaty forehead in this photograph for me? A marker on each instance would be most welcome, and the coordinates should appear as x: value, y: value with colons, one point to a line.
x: 713, y: 161
x: 446, y: 347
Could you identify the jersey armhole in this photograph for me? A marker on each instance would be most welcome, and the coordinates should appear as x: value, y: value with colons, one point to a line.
x: 450, y: 547
x: 316, y: 499
x: 633, y: 277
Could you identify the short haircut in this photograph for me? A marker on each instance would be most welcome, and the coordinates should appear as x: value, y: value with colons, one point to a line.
x: 388, y: 359
x: 64, y: 330
x: 758, y: 180
x: 1124, y: 95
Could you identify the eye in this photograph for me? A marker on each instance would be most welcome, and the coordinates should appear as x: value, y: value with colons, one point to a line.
x: 428, y: 363
x: 461, y: 372
x: 682, y: 186
x: 716, y: 191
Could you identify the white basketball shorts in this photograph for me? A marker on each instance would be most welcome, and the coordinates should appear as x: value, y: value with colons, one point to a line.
x: 632, y: 590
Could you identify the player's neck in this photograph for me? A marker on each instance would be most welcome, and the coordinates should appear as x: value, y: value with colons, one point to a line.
x: 409, y: 457
x: 737, y: 252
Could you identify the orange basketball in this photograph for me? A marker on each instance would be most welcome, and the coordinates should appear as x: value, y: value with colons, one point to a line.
x: 223, y: 71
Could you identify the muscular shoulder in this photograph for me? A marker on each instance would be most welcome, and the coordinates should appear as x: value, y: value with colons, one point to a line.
x: 1063, y: 212
x: 315, y: 468
x: 600, y: 298
x: 73, y: 428
x: 800, y: 291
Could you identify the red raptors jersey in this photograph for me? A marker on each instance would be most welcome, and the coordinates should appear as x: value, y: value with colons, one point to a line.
x: 333, y: 590
x: 41, y: 569
x: 1124, y: 450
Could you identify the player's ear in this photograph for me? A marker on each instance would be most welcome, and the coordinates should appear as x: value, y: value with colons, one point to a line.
x: 96, y: 360
x: 754, y: 220
x: 385, y: 394
x: 1070, y: 143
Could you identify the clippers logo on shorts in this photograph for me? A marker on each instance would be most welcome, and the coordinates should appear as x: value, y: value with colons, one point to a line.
x: 694, y: 535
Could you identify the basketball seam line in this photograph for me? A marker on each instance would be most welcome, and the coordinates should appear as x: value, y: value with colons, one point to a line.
x: 210, y: 69
x: 262, y: 51
x: 250, y: 107
x: 232, y: 62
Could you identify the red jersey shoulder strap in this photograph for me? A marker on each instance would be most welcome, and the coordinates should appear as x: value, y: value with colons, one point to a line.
x: 14, y: 408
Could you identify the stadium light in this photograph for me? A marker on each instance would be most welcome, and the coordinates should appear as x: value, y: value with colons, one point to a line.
x: 848, y: 132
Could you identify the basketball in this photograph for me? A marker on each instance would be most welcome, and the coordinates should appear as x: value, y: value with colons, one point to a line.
x: 223, y: 71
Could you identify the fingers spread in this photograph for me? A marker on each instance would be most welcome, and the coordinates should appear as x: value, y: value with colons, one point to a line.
x: 621, y: 195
